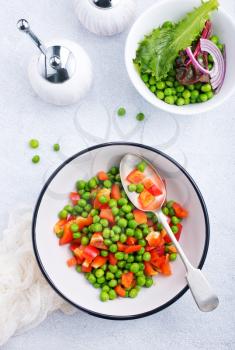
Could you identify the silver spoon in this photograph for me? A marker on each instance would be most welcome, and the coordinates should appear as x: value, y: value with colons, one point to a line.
x: 201, y: 290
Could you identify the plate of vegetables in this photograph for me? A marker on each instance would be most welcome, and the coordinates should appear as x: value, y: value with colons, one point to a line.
x: 179, y: 57
x: 101, y: 253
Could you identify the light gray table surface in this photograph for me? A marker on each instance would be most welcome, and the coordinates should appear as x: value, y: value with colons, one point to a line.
x: 205, y: 144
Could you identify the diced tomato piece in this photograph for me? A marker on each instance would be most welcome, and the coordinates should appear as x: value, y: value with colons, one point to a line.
x: 154, y: 190
x: 160, y: 250
x: 90, y: 253
x: 166, y: 268
x: 112, y: 259
x: 115, y: 192
x: 147, y: 182
x: 127, y: 279
x: 98, y: 261
x: 72, y: 261
x: 120, y: 291
x: 107, y: 214
x: 68, y: 234
x: 180, y: 211
x: 86, y: 268
x: 131, y: 240
x: 154, y: 239
x: 121, y: 247
x: 73, y: 246
x: 132, y: 249
x: 140, y: 216
x: 97, y: 240
x: 148, y: 248
x: 177, y: 235
x: 59, y: 225
x: 84, y: 222
x: 145, y: 198
x: 74, y: 197
x: 102, y: 176
x: 135, y: 176
x: 149, y: 270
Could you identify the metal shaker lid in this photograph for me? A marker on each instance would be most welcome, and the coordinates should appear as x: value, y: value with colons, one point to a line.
x: 105, y: 4
x: 56, y: 63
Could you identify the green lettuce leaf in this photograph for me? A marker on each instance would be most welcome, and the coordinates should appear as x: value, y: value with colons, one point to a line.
x: 157, y: 52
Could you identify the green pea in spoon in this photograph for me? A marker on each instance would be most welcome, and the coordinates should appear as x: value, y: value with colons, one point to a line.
x: 201, y: 290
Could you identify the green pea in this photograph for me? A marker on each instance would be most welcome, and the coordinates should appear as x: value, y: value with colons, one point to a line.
x: 123, y: 238
x: 112, y: 283
x: 112, y: 294
x: 186, y: 101
x: 194, y: 94
x: 96, y: 285
x: 92, y: 183
x: 94, y: 212
x: 206, y: 88
x: 121, y: 264
x: 152, y: 81
x: 113, y: 268
x: 99, y: 273
x: 104, y: 222
x: 104, y: 253
x: 175, y: 220
x: 145, y: 77
x: 168, y: 92
x: 115, y: 211
x: 118, y: 274
x: 165, y: 211
x: 105, y: 288
x: 80, y: 184
x: 221, y: 47
x: 160, y: 95
x: 122, y: 222
x: 76, y: 235
x: 36, y: 159
x: 134, y: 267
x: 132, y: 224
x: 141, y: 281
x: 98, y: 227
x: 121, y: 112
x: 186, y: 94
x: 108, y: 242
x: 33, y: 143
x: 173, y: 256
x: 114, y: 170
x: 180, y: 101
x: 139, y: 258
x: 140, y: 117
x: 56, y: 147
x: 122, y: 201
x: 146, y: 256
x: 69, y: 208
x: 119, y: 256
x: 84, y: 214
x: 174, y: 229
x: 138, y: 234
x: 160, y: 85
x: 141, y: 266
x: 142, y: 242
x: 180, y: 88
x: 84, y: 240
x: 126, y: 208
x: 113, y: 248
x: 82, y: 203
x: 214, y: 39
x: 141, y: 166
x: 169, y: 83
x: 130, y: 232
x: 132, y: 187
x: 148, y: 282
x: 203, y: 97
x: 209, y: 95
x: 104, y: 296
x: 170, y: 100
x: 133, y: 293
x: 74, y: 227
x: 141, y: 251
x: 103, y: 199
x: 109, y: 275
x: 139, y: 188
x: 107, y: 184
x: 115, y: 238
x: 63, y: 214
x: 112, y: 203
x: 91, y: 278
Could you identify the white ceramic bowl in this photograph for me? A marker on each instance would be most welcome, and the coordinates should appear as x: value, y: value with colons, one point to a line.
x: 73, y: 286
x: 168, y: 10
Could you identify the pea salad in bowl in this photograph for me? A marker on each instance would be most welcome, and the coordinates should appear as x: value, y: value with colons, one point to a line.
x: 179, y: 58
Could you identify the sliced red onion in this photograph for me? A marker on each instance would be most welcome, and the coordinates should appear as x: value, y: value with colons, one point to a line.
x: 217, y: 73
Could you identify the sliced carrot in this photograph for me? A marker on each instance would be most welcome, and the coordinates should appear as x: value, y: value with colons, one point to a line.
x: 98, y: 261
x: 180, y: 211
x: 140, y: 216
x: 145, y: 198
x: 149, y: 269
x: 135, y: 176
x: 72, y: 261
x: 97, y: 241
x: 102, y: 176
x: 107, y: 214
x: 115, y: 192
x: 120, y: 291
x: 59, y: 225
x: 127, y: 279
x: 166, y: 268
x: 172, y: 249
x: 132, y: 249
x: 147, y: 182
x: 68, y: 234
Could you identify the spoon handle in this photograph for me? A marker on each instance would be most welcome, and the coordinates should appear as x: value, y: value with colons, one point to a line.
x: 201, y: 290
